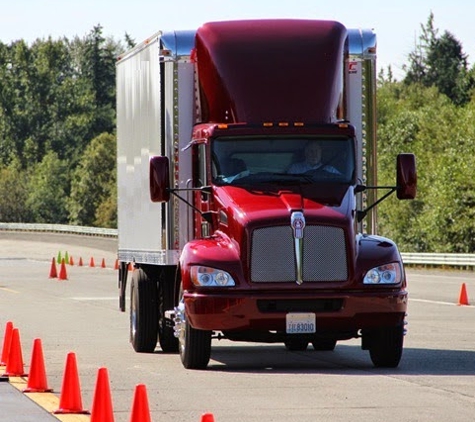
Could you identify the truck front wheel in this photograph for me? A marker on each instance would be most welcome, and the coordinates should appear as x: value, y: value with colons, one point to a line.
x: 385, y: 346
x: 194, y: 345
x: 143, y: 312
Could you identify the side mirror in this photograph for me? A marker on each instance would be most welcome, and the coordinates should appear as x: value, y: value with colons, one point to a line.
x: 406, y: 176
x: 159, y: 179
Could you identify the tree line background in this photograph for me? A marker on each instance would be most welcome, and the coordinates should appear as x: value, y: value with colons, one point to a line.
x: 58, y: 141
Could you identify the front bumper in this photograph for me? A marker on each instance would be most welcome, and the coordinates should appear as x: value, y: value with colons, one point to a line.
x: 334, y: 312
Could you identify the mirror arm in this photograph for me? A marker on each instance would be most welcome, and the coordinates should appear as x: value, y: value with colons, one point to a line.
x: 362, y: 214
x: 207, y: 216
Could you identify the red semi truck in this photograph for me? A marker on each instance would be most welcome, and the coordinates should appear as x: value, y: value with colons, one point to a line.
x: 246, y: 201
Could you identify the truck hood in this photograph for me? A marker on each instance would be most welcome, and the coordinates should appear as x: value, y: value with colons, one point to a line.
x: 326, y: 203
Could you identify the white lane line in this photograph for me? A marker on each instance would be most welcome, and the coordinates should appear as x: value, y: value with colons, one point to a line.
x: 95, y: 298
x: 437, y: 302
x: 6, y: 289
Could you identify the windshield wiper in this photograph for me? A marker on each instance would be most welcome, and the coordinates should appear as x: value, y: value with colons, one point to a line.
x: 273, y: 178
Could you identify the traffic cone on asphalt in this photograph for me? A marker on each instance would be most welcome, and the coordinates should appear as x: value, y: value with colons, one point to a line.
x: 37, y: 378
x: 116, y: 266
x: 80, y: 262
x: 130, y: 267
x: 207, y: 417
x: 463, y: 297
x: 62, y: 271
x: 7, y: 341
x: 14, y: 366
x: 91, y: 262
x: 58, y: 259
x: 103, y: 263
x: 66, y: 257
x: 101, y: 410
x: 140, y: 409
x: 70, y: 400
x: 71, y: 260
x: 52, y: 272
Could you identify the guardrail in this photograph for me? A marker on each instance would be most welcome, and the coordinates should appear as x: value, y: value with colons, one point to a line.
x: 59, y: 228
x: 439, y: 259
x: 460, y: 260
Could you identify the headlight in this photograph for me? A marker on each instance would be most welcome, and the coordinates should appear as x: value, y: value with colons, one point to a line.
x: 385, y: 274
x: 210, y: 277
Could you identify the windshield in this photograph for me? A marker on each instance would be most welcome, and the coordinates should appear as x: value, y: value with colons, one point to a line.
x: 239, y: 161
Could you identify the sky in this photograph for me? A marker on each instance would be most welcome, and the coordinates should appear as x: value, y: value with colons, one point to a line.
x: 397, y: 24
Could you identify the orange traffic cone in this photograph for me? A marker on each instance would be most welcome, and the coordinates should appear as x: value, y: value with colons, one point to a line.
x: 7, y: 341
x: 102, y: 402
x: 15, y: 357
x: 140, y: 409
x: 463, y: 297
x: 103, y: 263
x: 130, y: 268
x: 207, y: 417
x: 91, y: 262
x: 37, y: 378
x: 80, y: 262
x: 52, y: 272
x: 70, y: 400
x: 116, y: 266
x: 62, y: 271
x: 71, y: 260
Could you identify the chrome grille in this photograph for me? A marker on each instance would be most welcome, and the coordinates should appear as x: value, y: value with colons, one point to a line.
x: 273, y: 255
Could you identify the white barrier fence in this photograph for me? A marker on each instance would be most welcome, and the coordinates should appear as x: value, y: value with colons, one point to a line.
x: 59, y: 228
x: 462, y: 260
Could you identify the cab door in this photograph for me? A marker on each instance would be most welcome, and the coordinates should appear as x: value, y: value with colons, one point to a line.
x: 201, y: 199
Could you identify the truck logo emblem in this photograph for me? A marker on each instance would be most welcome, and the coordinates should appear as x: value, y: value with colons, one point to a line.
x: 297, y: 221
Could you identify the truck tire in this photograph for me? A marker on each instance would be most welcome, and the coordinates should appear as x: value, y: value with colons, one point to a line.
x: 166, y: 291
x: 195, y: 348
x: 194, y: 345
x: 296, y: 345
x: 385, y: 346
x: 324, y: 345
x: 143, y: 312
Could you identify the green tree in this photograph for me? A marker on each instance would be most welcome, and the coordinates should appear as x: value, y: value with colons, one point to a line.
x: 440, y: 61
x: 92, y: 181
x: 48, y: 190
x: 99, y: 68
x: 413, y: 118
x: 106, y: 212
x: 13, y: 194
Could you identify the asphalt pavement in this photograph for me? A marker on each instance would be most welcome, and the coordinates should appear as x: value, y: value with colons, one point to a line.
x: 15, y: 405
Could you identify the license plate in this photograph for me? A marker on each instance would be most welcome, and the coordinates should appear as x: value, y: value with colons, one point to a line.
x: 300, y: 323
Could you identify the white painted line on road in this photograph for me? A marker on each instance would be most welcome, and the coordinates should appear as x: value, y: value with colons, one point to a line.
x: 6, y: 289
x: 446, y: 276
x: 437, y: 302
x: 95, y: 298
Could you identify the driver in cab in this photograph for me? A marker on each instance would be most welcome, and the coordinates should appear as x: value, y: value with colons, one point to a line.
x: 312, y: 161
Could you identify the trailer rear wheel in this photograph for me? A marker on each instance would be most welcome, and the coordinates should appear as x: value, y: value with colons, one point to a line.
x: 385, y: 346
x: 166, y: 289
x: 143, y: 312
x: 194, y: 345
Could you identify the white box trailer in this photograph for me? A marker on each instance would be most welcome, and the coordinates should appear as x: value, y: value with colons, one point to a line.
x: 155, y: 115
